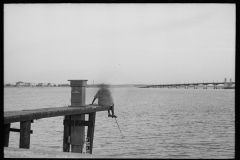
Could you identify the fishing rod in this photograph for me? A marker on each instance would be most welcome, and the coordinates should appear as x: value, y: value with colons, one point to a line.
x: 119, y: 127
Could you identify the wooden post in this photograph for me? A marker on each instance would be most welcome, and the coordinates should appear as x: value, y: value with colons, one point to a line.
x: 90, y: 132
x: 25, y: 127
x: 78, y: 93
x: 6, y: 134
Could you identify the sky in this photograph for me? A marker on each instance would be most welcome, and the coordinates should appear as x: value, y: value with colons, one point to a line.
x: 119, y: 43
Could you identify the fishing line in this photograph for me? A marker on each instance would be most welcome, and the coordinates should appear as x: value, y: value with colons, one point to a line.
x: 119, y: 128
x: 120, y: 131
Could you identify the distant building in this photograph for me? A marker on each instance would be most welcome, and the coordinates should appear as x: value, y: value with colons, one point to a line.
x: 20, y: 84
x: 49, y: 84
x: 9, y: 84
x: 63, y: 85
x: 40, y: 84
x: 30, y: 84
x: 27, y: 84
x: 33, y: 84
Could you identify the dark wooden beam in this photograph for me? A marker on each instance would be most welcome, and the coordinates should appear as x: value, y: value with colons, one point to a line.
x: 26, y: 115
x: 18, y: 130
x: 77, y: 123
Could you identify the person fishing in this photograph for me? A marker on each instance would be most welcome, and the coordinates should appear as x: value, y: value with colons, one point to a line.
x: 105, y: 99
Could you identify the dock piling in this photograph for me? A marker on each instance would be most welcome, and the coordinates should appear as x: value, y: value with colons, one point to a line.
x: 6, y: 134
x: 66, y: 134
x: 76, y: 132
x: 25, y: 127
x: 90, y: 131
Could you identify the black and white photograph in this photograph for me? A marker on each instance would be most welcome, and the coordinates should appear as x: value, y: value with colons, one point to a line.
x: 119, y: 80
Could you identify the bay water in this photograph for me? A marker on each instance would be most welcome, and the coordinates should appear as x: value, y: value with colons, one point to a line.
x: 155, y: 123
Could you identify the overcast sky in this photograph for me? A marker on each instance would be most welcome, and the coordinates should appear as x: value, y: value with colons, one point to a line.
x: 119, y: 43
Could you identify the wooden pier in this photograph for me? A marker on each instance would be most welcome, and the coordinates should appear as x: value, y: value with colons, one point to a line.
x: 74, y: 121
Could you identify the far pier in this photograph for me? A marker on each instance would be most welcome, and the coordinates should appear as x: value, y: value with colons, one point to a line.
x: 205, y: 85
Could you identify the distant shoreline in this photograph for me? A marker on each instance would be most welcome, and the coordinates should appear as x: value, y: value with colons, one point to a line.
x: 89, y: 86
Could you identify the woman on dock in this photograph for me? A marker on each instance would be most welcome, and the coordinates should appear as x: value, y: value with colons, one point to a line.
x: 105, y: 99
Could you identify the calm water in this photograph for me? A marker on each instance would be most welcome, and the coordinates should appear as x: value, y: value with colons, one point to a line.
x: 156, y: 123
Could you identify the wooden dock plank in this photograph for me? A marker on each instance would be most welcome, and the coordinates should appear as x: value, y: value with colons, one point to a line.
x: 26, y: 115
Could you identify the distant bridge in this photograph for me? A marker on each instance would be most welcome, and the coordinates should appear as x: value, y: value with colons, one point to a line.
x: 226, y: 85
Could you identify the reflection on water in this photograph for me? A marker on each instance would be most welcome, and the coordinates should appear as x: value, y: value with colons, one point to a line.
x: 155, y: 123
